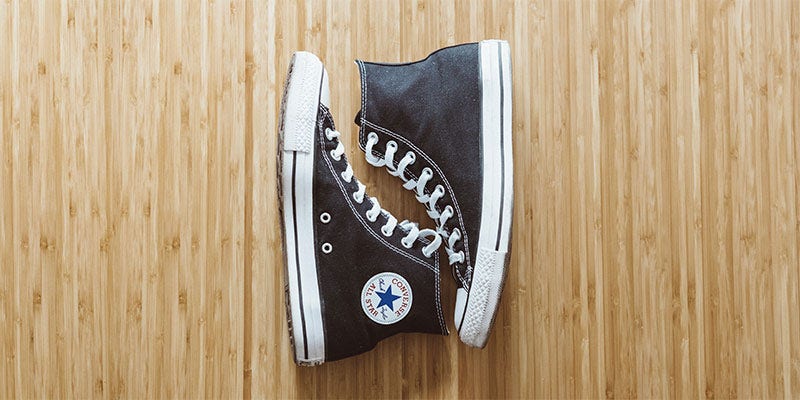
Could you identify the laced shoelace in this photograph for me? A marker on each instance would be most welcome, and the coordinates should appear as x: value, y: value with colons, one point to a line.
x: 418, y: 186
x: 411, y: 229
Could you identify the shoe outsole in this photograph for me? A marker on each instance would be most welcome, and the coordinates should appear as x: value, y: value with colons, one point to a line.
x: 476, y: 308
x: 298, y: 65
x: 279, y: 176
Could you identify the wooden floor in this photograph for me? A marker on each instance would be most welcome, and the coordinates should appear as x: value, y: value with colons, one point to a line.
x: 657, y: 216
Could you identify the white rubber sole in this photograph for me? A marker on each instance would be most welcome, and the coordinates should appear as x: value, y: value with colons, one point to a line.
x: 476, y: 309
x: 304, y: 90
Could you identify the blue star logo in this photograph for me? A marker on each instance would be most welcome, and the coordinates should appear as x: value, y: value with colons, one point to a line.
x: 387, y: 298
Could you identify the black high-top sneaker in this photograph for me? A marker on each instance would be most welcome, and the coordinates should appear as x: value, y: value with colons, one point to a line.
x: 443, y: 125
x: 354, y: 274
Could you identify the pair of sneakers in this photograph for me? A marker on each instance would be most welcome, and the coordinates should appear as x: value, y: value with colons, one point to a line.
x: 355, y: 274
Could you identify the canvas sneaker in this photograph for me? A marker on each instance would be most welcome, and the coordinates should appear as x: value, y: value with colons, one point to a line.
x: 354, y: 274
x: 443, y: 125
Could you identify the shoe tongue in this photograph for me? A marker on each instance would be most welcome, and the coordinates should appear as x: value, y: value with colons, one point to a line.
x: 358, y: 118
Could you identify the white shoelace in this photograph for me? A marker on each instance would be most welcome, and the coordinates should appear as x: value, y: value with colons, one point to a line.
x: 418, y: 186
x: 411, y: 229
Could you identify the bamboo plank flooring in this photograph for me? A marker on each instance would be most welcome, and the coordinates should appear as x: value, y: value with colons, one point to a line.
x: 656, y: 232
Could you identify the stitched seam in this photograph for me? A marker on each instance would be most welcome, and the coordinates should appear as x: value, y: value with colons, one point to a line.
x: 358, y: 216
x: 439, y: 314
x: 444, y: 179
x: 427, y: 192
x: 361, y: 137
x: 326, y: 115
x: 360, y: 220
x: 460, y: 277
x: 363, y: 72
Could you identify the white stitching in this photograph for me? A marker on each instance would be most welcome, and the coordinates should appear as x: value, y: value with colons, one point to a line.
x: 434, y: 269
x: 363, y: 73
x: 330, y: 119
x: 361, y: 143
x: 439, y: 314
x: 427, y: 192
x: 358, y: 216
x: 444, y: 179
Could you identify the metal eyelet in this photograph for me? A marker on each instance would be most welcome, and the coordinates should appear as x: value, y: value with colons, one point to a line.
x: 327, y: 248
x: 325, y: 218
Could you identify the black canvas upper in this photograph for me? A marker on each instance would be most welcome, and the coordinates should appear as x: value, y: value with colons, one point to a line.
x: 361, y: 251
x: 433, y: 108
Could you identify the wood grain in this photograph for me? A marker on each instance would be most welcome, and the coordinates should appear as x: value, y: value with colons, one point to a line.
x: 656, y: 230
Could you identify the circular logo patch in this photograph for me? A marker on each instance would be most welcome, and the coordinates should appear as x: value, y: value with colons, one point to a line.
x: 386, y: 298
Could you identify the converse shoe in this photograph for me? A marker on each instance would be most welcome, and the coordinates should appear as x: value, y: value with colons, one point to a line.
x: 354, y: 274
x: 443, y: 126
